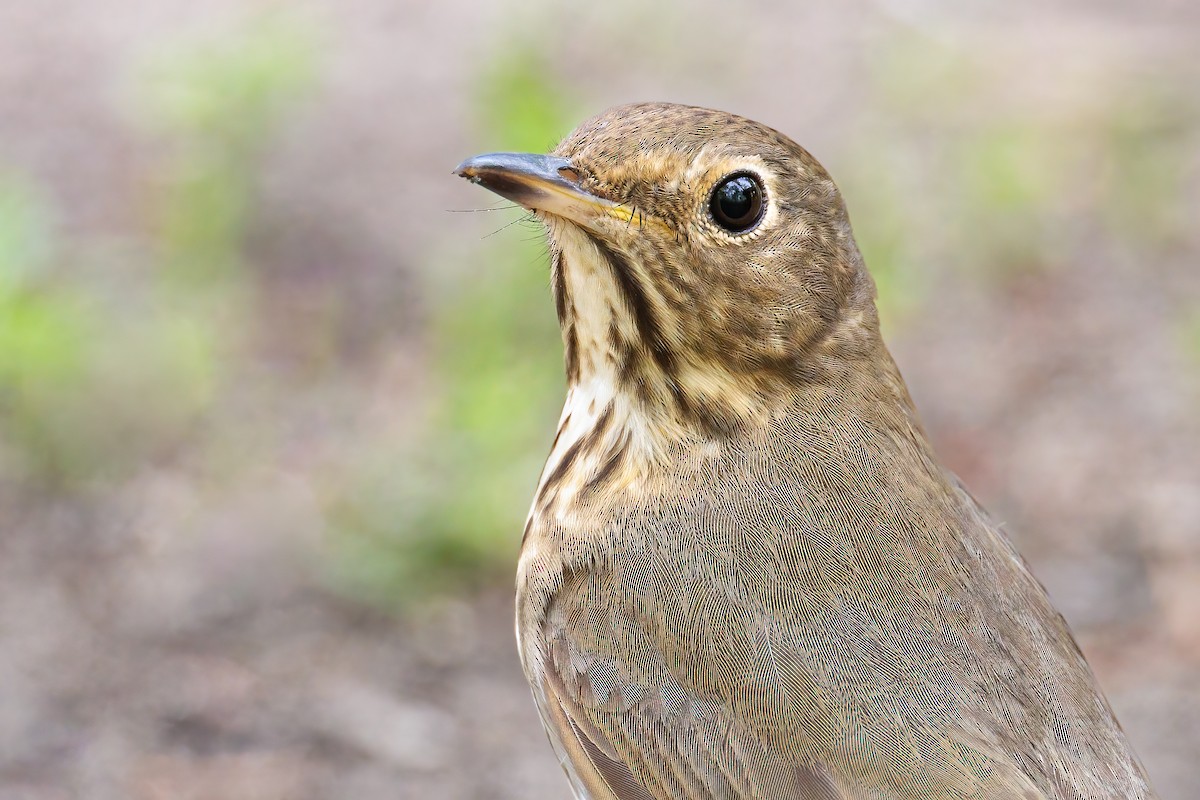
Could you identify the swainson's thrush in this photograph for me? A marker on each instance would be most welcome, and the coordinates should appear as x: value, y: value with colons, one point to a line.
x: 745, y: 573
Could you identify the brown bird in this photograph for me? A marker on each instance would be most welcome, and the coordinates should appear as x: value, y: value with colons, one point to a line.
x: 745, y: 573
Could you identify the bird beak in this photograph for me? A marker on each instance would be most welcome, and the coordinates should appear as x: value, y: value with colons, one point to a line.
x: 540, y: 183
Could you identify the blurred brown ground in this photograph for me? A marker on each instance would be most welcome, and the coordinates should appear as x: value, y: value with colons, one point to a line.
x: 168, y: 630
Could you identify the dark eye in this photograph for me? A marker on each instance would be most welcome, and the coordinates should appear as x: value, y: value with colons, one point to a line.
x: 737, y: 202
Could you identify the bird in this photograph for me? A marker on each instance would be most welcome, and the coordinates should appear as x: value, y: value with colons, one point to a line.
x: 745, y: 572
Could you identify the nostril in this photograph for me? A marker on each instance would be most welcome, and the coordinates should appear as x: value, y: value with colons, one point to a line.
x: 570, y: 173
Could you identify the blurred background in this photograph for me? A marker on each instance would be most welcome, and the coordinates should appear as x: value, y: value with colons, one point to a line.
x: 271, y: 413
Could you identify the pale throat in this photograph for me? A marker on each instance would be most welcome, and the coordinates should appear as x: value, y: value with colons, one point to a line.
x: 639, y: 407
x: 592, y: 309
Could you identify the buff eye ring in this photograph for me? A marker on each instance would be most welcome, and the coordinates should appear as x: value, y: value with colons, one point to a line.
x: 737, y: 202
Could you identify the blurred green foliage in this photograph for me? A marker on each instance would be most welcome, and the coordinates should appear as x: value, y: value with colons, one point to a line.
x: 219, y: 103
x: 875, y: 190
x: 448, y: 512
x: 519, y: 105
x: 947, y: 172
x: 26, y: 234
x: 1190, y: 334
x: 1145, y: 149
x: 89, y: 385
x: 1013, y: 178
x: 107, y: 361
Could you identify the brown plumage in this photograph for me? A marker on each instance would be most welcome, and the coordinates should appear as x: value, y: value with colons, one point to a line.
x: 745, y: 572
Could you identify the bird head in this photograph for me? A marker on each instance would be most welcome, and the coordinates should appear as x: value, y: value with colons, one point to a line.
x: 702, y: 263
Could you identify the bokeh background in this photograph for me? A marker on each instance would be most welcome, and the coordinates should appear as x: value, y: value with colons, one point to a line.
x: 271, y: 411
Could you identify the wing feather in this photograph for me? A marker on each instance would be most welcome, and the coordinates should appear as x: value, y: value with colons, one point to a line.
x: 631, y: 730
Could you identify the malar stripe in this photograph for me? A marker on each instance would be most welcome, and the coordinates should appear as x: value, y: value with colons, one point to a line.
x: 571, y: 353
x: 635, y: 297
x: 560, y: 470
x: 584, y: 444
x: 591, y: 439
x: 560, y: 292
x: 562, y: 427
x: 615, y: 457
x: 599, y: 427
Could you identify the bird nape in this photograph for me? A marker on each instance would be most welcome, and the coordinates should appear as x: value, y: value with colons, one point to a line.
x: 745, y: 572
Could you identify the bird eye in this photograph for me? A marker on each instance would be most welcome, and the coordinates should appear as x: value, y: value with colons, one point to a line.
x: 737, y: 202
